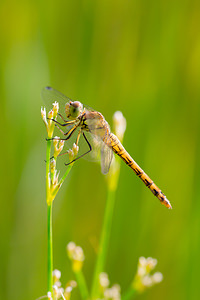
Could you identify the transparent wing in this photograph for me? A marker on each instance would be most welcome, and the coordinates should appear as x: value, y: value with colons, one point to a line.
x: 50, y: 95
x: 99, y: 131
x: 100, y: 152
x: 106, y: 158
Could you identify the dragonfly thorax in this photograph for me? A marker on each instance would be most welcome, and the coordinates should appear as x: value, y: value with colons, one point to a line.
x: 73, y: 109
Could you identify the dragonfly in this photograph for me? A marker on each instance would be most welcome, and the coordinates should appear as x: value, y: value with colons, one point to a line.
x: 85, y: 120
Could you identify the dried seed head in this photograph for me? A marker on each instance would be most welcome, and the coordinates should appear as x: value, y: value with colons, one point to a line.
x: 55, y: 109
x: 53, y: 165
x: 58, y: 145
x: 73, y: 152
x: 44, y: 116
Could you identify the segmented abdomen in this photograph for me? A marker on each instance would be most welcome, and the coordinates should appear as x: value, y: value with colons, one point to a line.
x: 121, y: 152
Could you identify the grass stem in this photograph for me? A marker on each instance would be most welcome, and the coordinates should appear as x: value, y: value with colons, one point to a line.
x: 49, y: 224
x: 129, y: 294
x: 82, y: 285
x: 104, y: 240
x: 50, y: 248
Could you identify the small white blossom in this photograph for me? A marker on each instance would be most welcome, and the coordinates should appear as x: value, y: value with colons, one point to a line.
x: 104, y: 280
x: 55, y: 109
x: 44, y: 116
x: 143, y: 279
x: 58, y: 145
x: 119, y: 124
x: 56, y: 274
x: 113, y: 292
x: 73, y: 152
x: 157, y: 277
x: 76, y: 255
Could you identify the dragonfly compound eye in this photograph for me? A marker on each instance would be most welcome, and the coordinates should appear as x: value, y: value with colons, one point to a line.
x: 73, y: 109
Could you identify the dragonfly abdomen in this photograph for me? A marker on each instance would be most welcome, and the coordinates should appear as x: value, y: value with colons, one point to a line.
x: 125, y: 156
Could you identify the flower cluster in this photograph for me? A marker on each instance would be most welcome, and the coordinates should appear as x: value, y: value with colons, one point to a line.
x: 73, y: 152
x: 76, y: 255
x: 48, y: 121
x: 58, y: 290
x: 113, y: 292
x: 143, y: 278
x: 54, y: 184
x: 119, y: 127
x: 119, y: 123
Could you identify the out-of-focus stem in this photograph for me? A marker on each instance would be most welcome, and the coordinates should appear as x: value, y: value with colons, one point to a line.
x: 82, y: 284
x: 104, y: 240
x: 129, y: 294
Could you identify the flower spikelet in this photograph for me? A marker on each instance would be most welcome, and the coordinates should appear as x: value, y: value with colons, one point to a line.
x: 143, y: 279
x: 76, y: 255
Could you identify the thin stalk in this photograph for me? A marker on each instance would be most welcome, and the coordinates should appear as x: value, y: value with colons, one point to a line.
x: 49, y: 224
x: 82, y: 285
x: 50, y: 248
x: 104, y: 240
x: 129, y: 294
x: 65, y: 175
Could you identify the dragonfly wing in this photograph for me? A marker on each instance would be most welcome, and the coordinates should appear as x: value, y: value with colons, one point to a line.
x: 106, y: 158
x: 50, y: 95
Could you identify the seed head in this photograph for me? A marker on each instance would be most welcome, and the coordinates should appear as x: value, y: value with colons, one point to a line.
x: 119, y: 124
x: 56, y: 275
x: 73, y: 152
x: 55, y: 109
x: 113, y: 292
x: 143, y: 279
x: 68, y: 289
x: 104, y: 280
x: 58, y: 145
x: 44, y: 116
x: 76, y: 255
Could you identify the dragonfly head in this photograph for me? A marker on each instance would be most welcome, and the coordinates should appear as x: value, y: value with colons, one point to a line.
x: 73, y: 109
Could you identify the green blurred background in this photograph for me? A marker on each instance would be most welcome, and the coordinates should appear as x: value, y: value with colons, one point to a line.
x: 140, y: 57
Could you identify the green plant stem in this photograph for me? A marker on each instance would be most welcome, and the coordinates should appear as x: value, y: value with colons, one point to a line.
x: 104, y: 240
x: 49, y: 224
x: 50, y: 248
x: 129, y: 294
x: 65, y: 175
x: 82, y: 285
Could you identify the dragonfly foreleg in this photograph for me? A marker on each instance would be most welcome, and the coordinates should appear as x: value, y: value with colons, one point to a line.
x: 62, y: 117
x: 77, y: 140
x: 67, y: 123
x: 69, y: 133
x: 90, y: 149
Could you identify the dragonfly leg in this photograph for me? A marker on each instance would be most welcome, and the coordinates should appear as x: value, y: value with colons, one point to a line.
x: 67, y: 123
x: 78, y: 136
x: 69, y: 133
x: 60, y: 129
x: 62, y: 117
x: 90, y: 149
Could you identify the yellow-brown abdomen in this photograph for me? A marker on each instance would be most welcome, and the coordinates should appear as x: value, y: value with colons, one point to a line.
x: 121, y: 152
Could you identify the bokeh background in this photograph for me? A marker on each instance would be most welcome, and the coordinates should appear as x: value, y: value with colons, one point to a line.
x: 140, y: 57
